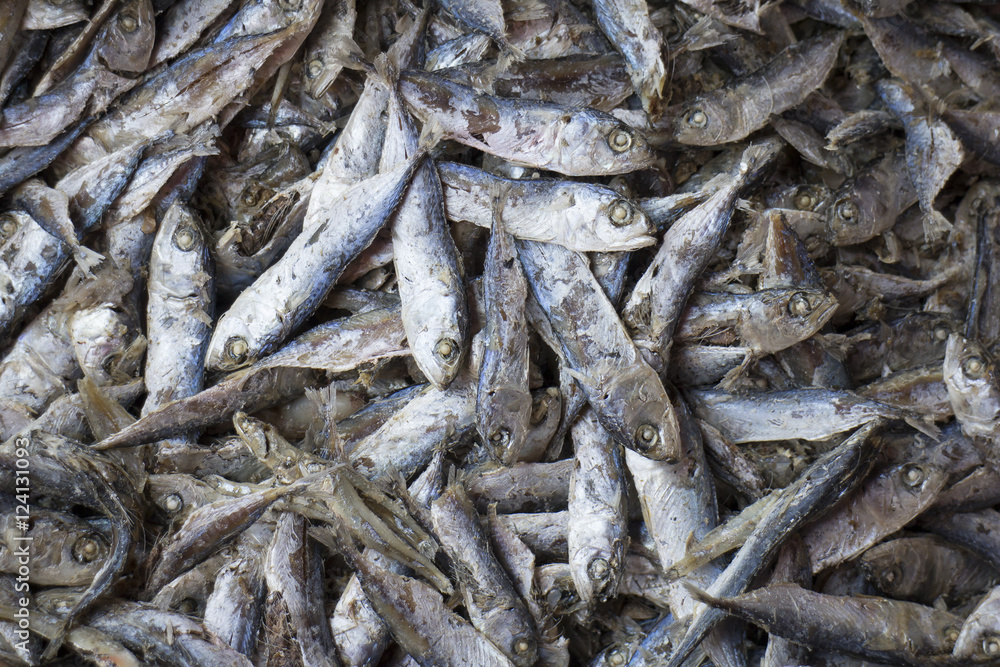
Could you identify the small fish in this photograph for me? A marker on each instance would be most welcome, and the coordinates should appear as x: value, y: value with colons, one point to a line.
x: 418, y: 618
x: 571, y: 141
x: 829, y: 478
x: 503, y: 401
x: 494, y: 606
x: 655, y: 304
x: 434, y: 311
x: 287, y: 293
x: 925, y: 568
x: 979, y: 639
x: 933, y: 152
x: 743, y: 106
x: 67, y: 550
x: 973, y: 386
x: 580, y: 216
x: 872, y: 628
x: 883, y: 504
x: 590, y: 332
x: 597, y: 528
x: 628, y: 26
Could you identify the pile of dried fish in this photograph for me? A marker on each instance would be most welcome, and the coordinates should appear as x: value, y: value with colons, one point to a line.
x: 548, y: 332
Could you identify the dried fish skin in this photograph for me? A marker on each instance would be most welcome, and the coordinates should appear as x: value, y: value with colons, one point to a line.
x: 598, y: 536
x: 731, y: 113
x: 973, y: 383
x: 605, y: 361
x: 925, y: 568
x: 65, y: 549
x: 627, y: 25
x: 265, y: 313
x: 495, y: 608
x: 580, y: 216
x: 434, y: 310
x: 869, y: 203
x: 568, y: 140
x: 872, y: 628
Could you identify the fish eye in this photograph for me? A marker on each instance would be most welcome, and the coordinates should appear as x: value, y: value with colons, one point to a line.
x: 128, y: 22
x: 446, y: 349
x: 951, y: 633
x: 973, y: 367
x: 892, y: 575
x: 913, y: 476
x: 620, y: 213
x: 187, y: 606
x: 499, y: 437
x: 798, y: 305
x: 646, y: 435
x: 86, y: 549
x: 237, y: 349
x: 805, y: 201
x: 173, y: 503
x: 598, y: 569
x: 314, y: 68
x: 250, y: 197
x: 617, y: 657
x: 941, y: 333
x: 185, y: 238
x: 8, y: 225
x: 847, y: 210
x: 697, y: 118
x: 991, y: 645
x: 522, y: 645
x: 620, y: 140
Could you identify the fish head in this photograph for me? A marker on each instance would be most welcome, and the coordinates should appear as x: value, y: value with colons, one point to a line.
x: 621, y: 225
x: 973, y: 383
x: 66, y: 550
x: 177, y: 495
x: 885, y: 566
x: 921, y: 338
x: 787, y: 316
x: 125, y: 43
x: 595, y: 143
x: 233, y: 347
x: 856, y: 215
x: 979, y: 640
x: 650, y: 422
x: 598, y: 573
x: 704, y: 122
x: 504, y: 431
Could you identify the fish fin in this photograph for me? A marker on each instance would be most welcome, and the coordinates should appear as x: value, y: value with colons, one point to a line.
x: 700, y: 595
x: 730, y: 379
x: 926, y: 427
x: 935, y: 225
x: 87, y: 259
x: 431, y: 135
x: 385, y: 71
x: 349, y: 55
